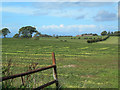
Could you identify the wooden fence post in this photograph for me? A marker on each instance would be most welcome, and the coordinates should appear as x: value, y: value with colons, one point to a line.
x: 55, y: 70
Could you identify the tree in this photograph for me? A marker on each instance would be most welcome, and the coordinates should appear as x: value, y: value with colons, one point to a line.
x: 104, y: 33
x: 109, y: 33
x: 26, y: 32
x: 112, y: 33
x: 4, y: 32
x: 53, y: 35
x: 16, y: 36
x: 57, y: 36
x: 117, y: 33
x: 95, y: 34
x: 37, y: 34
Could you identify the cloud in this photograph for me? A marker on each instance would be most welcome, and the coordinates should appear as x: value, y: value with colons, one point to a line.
x: 59, y: 1
x: 23, y: 10
x: 74, y: 10
x: 18, y: 10
x: 69, y: 9
x: 61, y: 26
x: 119, y: 10
x: 72, y: 13
x: 66, y: 29
x: 80, y: 17
x: 59, y: 9
x: 40, y: 12
x: 61, y: 5
x: 105, y: 16
x: 74, y: 29
x: 108, y: 28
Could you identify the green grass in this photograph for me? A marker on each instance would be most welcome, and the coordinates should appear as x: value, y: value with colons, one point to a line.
x: 79, y: 64
x: 112, y: 40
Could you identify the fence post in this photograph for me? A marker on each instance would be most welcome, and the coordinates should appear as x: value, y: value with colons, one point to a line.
x: 55, y: 69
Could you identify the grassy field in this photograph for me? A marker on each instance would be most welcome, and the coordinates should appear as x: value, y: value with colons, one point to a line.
x: 79, y: 64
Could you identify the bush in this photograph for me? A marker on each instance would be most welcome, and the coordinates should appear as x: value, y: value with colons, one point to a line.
x: 97, y: 40
x: 79, y: 38
x: 56, y: 37
x: 90, y: 38
x: 86, y: 38
x: 89, y: 41
x: 65, y: 40
x: 16, y: 36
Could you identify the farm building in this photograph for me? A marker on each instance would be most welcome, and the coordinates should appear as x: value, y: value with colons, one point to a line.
x: 78, y: 35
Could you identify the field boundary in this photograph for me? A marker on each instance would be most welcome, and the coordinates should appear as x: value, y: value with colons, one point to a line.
x: 97, y: 40
x: 37, y: 70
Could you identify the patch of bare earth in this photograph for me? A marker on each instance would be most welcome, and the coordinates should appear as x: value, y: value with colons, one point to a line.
x: 70, y: 65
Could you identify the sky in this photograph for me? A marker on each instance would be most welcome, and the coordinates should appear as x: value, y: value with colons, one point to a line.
x: 60, y: 18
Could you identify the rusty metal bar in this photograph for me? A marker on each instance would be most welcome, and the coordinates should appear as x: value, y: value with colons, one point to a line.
x: 45, y: 85
x: 53, y: 58
x: 55, y: 69
x: 26, y: 73
x: 22, y: 81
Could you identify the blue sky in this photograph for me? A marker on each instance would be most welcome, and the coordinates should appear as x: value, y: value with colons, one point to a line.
x: 60, y: 18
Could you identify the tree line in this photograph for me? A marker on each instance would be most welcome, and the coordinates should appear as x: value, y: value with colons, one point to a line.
x: 27, y: 31
x: 116, y: 33
x: 24, y: 32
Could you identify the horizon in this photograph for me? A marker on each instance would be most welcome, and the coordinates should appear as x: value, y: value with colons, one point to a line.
x: 60, y: 18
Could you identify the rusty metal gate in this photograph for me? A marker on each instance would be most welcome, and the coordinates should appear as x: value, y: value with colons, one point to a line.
x: 37, y: 70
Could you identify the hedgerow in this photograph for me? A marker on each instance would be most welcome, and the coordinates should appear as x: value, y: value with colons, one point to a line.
x: 97, y: 40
